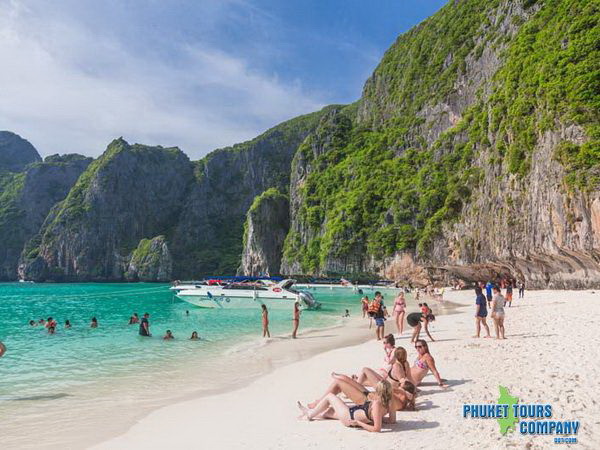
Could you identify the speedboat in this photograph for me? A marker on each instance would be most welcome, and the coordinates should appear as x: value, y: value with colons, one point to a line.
x: 247, y: 295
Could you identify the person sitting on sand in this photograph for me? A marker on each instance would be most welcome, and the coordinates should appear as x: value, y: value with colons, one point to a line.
x: 423, y: 364
x: 498, y: 302
x: 194, y: 336
x: 480, y: 313
x: 389, y: 345
x: 265, y: 321
x: 369, y: 415
x: 94, y: 323
x: 404, y: 394
x: 414, y: 320
x: 168, y: 336
x: 396, y: 375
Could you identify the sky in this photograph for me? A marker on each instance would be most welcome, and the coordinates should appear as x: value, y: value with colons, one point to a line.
x: 197, y: 74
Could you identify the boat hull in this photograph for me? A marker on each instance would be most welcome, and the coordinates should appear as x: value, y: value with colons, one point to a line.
x: 221, y: 299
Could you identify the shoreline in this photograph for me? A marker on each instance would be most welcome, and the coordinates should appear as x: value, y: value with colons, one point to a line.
x: 540, y: 362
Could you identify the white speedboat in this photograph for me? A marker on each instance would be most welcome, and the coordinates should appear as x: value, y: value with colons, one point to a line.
x: 247, y: 295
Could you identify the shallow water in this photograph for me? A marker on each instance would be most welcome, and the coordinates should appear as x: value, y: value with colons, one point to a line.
x: 59, y: 382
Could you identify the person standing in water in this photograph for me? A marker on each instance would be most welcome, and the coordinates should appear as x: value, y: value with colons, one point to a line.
x: 265, y: 321
x: 296, y: 319
x: 480, y: 313
x: 94, y: 323
x: 67, y: 324
x: 400, y: 311
x: 498, y: 313
x: 145, y: 326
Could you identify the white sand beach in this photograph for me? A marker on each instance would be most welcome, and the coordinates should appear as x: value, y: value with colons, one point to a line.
x: 552, y: 355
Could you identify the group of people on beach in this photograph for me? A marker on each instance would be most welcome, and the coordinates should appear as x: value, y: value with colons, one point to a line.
x: 495, y: 301
x: 376, y: 395
x: 376, y: 310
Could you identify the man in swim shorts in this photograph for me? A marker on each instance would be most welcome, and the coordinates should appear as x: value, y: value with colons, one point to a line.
x: 379, y: 316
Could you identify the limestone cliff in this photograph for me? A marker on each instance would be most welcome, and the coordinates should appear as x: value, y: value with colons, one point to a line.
x: 474, y: 153
x: 150, y: 261
x: 16, y: 152
x: 267, y: 225
x: 130, y: 193
x: 26, y: 198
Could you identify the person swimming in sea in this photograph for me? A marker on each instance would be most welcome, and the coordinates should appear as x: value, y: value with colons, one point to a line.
x: 2, y: 349
x: 194, y: 336
x: 67, y: 324
x: 32, y: 323
x: 168, y: 336
x: 134, y: 319
x: 42, y: 322
x: 265, y: 321
x: 94, y: 323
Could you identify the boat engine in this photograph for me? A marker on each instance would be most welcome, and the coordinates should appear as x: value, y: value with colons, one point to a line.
x: 308, y: 300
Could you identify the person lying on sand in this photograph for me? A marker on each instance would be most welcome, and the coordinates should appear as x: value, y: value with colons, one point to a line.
x: 398, y: 372
x: 403, y: 395
x: 370, y: 413
x: 423, y: 364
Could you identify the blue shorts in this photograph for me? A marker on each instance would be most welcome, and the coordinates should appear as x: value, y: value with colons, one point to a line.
x: 379, y: 321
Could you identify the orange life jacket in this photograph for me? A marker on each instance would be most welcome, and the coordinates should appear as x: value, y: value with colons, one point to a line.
x: 374, y: 305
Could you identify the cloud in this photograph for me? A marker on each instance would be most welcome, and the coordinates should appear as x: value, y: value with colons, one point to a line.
x: 70, y: 87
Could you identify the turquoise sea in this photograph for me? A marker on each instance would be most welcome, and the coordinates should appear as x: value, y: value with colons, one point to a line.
x: 81, y: 368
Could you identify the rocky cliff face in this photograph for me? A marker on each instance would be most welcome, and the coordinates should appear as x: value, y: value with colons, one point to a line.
x: 26, y: 198
x: 267, y: 225
x: 208, y: 235
x: 458, y: 164
x: 132, y: 192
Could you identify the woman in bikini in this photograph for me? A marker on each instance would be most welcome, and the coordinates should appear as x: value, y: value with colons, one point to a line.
x: 265, y: 321
x: 400, y: 311
x: 398, y: 373
x: 423, y: 364
x: 296, y: 319
x: 371, y: 411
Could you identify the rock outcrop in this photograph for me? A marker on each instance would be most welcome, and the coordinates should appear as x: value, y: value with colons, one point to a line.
x: 150, y: 261
x: 267, y: 225
x: 15, y: 152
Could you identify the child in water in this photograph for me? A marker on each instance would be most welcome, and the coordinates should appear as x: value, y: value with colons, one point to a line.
x: 168, y: 336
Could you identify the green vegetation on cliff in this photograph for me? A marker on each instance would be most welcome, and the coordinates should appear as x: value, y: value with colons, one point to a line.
x: 381, y: 188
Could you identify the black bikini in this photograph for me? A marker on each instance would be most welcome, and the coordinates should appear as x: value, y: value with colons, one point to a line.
x: 365, y: 407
